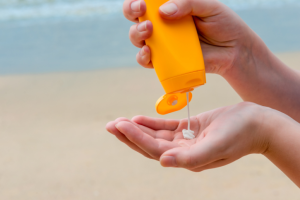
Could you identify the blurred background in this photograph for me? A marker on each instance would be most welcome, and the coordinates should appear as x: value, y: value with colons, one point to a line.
x: 67, y: 68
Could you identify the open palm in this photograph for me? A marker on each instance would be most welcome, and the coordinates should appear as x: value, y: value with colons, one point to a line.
x: 222, y: 136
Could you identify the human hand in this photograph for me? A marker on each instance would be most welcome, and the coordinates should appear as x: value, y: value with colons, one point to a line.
x: 222, y: 136
x: 230, y: 48
x: 224, y: 37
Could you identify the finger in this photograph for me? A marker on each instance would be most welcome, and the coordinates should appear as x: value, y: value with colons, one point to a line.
x: 204, y: 152
x: 138, y: 33
x: 110, y: 127
x: 176, y: 9
x: 133, y: 9
x: 144, y: 57
x: 120, y: 119
x: 157, y: 134
x: 164, y: 128
x: 153, y: 147
x: 156, y: 123
x: 168, y: 135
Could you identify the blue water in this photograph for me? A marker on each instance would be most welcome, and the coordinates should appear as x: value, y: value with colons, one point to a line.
x: 30, y: 10
x: 40, y: 36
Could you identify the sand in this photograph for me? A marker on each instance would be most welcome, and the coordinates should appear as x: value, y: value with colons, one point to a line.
x: 53, y: 142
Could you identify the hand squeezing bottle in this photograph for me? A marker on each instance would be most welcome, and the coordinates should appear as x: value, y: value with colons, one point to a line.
x: 177, y: 59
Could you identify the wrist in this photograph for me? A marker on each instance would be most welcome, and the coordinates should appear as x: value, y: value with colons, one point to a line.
x: 263, y: 121
x: 276, y: 126
x: 252, y: 69
x: 283, y: 145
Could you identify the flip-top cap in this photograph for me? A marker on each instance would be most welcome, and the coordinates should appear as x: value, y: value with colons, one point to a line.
x: 172, y: 102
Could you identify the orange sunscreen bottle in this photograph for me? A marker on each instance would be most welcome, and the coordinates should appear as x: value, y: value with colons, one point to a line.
x: 176, y: 56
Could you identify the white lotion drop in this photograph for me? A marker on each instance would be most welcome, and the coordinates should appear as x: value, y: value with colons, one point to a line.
x: 188, y: 134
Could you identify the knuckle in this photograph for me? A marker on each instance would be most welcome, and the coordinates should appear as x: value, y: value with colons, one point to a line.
x: 132, y: 32
x: 186, y: 3
x: 138, y: 58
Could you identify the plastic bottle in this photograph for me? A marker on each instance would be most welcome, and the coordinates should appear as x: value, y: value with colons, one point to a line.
x: 176, y: 56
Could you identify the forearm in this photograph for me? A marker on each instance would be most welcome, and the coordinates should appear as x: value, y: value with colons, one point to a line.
x: 259, y: 76
x: 284, y: 147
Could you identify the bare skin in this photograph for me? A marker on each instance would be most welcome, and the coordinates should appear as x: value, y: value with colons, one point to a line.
x: 222, y: 136
x: 230, y: 49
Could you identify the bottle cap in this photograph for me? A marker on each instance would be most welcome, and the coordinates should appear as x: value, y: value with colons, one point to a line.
x: 172, y: 102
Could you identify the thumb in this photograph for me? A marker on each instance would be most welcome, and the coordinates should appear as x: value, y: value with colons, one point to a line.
x: 200, y: 154
x: 176, y: 9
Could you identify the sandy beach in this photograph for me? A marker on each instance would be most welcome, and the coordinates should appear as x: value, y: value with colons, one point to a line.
x: 53, y: 142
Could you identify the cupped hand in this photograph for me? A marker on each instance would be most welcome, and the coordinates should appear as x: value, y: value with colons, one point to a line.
x: 222, y: 136
x: 224, y: 37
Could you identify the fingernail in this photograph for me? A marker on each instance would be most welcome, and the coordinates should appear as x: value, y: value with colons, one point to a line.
x: 169, y: 161
x: 169, y: 8
x: 136, y: 6
x: 142, y: 26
